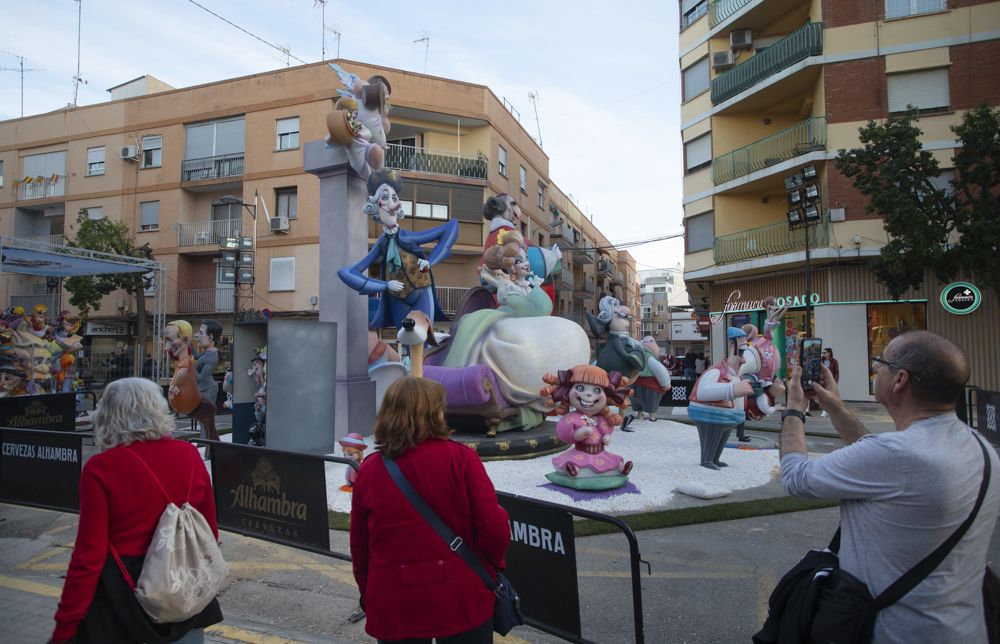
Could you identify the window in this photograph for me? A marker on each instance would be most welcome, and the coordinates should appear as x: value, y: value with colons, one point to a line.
x: 926, y: 90
x: 698, y: 153
x: 541, y: 196
x: 659, y: 327
x: 943, y: 181
x: 659, y: 308
x: 659, y: 289
x: 95, y: 161
x: 282, y: 276
x: 152, y: 151
x: 95, y: 212
x: 699, y: 232
x: 288, y: 133
x: 696, y: 79
x: 502, y: 158
x: 903, y: 8
x: 213, y: 139
x: 406, y: 207
x: 523, y: 174
x: 432, y: 210
x: 287, y: 199
x: 887, y: 321
x: 149, y: 215
x: 691, y: 10
x: 541, y: 239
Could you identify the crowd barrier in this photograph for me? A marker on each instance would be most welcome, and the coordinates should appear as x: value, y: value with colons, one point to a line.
x: 979, y: 409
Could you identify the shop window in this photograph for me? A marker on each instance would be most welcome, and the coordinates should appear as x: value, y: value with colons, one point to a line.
x: 887, y: 321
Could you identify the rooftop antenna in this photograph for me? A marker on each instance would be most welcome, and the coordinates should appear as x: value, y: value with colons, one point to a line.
x: 322, y: 4
x: 20, y: 68
x: 533, y: 95
x: 78, y: 79
x: 426, y: 39
x: 287, y: 50
x: 335, y: 30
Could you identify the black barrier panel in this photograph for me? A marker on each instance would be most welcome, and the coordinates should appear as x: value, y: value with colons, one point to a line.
x: 541, y: 563
x: 680, y: 391
x: 280, y: 496
x: 44, y: 411
x: 987, y: 408
x: 41, y: 468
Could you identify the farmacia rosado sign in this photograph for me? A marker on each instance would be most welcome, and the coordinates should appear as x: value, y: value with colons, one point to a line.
x: 960, y: 298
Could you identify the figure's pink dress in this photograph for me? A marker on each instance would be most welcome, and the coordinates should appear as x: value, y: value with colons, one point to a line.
x: 590, y: 452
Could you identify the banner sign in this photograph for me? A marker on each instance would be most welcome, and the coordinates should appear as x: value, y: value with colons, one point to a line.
x: 961, y: 298
x: 277, y: 495
x: 541, y: 562
x: 44, y: 411
x: 107, y: 328
x: 41, y: 468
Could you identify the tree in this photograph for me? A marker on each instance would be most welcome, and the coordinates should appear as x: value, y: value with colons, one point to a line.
x: 86, y: 291
x: 949, y: 230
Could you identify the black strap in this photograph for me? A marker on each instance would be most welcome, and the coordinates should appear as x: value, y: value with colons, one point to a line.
x: 455, y: 542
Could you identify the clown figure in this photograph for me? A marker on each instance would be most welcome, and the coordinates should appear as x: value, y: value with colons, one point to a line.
x: 717, y: 401
x: 652, y: 383
x: 588, y: 465
x: 354, y: 448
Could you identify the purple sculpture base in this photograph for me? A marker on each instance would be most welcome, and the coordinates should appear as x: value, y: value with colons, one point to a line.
x: 587, y: 495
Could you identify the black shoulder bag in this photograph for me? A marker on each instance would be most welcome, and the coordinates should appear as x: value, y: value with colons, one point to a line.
x: 507, y: 609
x: 818, y: 601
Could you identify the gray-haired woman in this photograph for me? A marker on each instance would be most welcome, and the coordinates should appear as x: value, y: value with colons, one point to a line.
x: 122, y: 494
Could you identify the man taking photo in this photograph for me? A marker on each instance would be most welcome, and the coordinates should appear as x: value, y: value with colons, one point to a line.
x: 903, y: 493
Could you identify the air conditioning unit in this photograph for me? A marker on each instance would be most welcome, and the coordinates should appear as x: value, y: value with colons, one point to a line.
x: 279, y: 224
x: 722, y: 59
x: 129, y: 153
x: 741, y: 39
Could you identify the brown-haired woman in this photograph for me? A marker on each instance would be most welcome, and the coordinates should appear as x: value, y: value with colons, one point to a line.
x: 413, y: 587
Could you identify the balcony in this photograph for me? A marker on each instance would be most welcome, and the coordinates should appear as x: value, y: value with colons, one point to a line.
x: 55, y: 240
x: 565, y: 280
x: 605, y: 267
x: 584, y: 288
x: 801, y: 138
x: 208, y: 233
x: 583, y: 255
x: 449, y: 297
x: 561, y: 234
x: 719, y: 10
x: 28, y: 302
x: 217, y: 167
x: 798, y: 45
x: 42, y: 187
x: 404, y: 157
x: 772, y: 239
x: 205, y: 300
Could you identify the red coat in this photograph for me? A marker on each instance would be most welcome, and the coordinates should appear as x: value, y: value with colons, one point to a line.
x: 120, y: 503
x: 411, y: 584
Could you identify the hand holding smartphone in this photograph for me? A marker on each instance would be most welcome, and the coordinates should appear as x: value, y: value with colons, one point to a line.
x: 810, y: 358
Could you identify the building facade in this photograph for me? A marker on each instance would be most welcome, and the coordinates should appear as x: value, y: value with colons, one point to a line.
x: 667, y: 314
x: 771, y: 88
x: 186, y: 168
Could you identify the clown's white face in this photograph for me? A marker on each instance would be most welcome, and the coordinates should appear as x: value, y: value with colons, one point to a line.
x: 388, y: 206
x: 587, y: 399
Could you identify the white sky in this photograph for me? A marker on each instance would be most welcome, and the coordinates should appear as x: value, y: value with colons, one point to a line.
x: 606, y: 75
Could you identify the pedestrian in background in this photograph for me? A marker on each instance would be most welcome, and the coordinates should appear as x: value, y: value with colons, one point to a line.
x: 904, y: 493
x: 690, y: 362
x: 121, y: 499
x: 699, y: 364
x: 833, y: 366
x: 413, y: 586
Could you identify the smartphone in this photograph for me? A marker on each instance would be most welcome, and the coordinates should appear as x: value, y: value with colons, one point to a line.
x: 810, y: 358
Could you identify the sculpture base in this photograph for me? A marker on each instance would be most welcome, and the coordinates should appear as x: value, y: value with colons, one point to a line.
x: 537, y: 441
x: 588, y: 483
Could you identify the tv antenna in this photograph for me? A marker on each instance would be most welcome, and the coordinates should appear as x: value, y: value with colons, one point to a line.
x: 533, y: 95
x: 287, y: 51
x: 78, y: 79
x: 426, y: 39
x: 20, y: 69
x: 335, y: 30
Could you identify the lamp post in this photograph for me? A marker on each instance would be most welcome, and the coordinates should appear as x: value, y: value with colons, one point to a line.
x: 803, y: 209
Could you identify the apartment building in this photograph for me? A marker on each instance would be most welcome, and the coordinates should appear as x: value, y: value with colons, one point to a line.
x: 772, y: 88
x: 667, y: 314
x: 187, y: 168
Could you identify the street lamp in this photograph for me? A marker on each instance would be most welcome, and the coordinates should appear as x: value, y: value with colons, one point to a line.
x: 803, y: 209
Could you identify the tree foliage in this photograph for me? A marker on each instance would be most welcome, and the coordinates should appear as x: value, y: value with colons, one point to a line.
x: 948, y: 229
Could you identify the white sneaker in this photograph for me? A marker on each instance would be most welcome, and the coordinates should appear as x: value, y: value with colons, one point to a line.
x: 824, y: 414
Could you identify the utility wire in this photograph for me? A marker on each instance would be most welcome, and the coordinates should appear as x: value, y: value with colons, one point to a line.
x: 283, y: 51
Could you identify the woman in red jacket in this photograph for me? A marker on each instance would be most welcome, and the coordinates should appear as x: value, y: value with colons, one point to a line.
x: 413, y: 587
x: 120, y: 505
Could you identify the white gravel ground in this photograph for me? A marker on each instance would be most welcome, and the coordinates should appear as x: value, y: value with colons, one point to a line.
x: 665, y: 454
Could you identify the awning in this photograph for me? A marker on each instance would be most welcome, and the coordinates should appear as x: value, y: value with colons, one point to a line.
x: 35, y: 262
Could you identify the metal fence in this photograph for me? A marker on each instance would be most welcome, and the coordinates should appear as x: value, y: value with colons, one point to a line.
x: 772, y: 239
x: 217, y: 167
x: 719, y: 10
x: 209, y: 232
x: 404, y: 157
x: 205, y: 300
x: 803, y: 137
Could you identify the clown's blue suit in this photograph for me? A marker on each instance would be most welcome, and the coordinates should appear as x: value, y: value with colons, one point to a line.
x: 393, y: 309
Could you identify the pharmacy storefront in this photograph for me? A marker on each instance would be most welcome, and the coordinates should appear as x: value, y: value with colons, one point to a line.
x: 855, y: 317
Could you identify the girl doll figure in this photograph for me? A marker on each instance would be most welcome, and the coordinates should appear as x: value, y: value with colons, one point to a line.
x: 588, y: 390
x: 506, y: 268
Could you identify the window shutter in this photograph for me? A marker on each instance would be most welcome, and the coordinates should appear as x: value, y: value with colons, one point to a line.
x: 696, y: 79
x: 149, y: 214
x: 688, y: 5
x: 282, y: 276
x: 924, y: 89
x: 700, y: 232
x: 699, y: 151
x: 95, y: 155
x: 287, y: 126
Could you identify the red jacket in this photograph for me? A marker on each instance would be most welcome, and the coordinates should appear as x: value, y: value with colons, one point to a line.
x: 411, y: 584
x: 120, y: 503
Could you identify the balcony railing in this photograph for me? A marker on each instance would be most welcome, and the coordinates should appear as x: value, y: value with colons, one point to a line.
x: 201, y: 233
x: 800, y: 44
x: 604, y: 267
x: 205, y: 300
x: 586, y: 286
x: 583, y: 255
x: 42, y: 187
x: 404, y: 157
x: 55, y: 240
x: 50, y: 300
x: 772, y: 239
x: 449, y: 297
x: 719, y: 10
x: 217, y: 167
x: 562, y: 234
x: 566, y: 279
x: 803, y: 137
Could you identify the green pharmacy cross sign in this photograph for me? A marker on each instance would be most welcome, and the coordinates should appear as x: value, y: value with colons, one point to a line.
x: 961, y: 298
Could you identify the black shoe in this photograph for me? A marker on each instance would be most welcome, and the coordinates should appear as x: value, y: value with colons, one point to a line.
x: 626, y: 422
x: 711, y: 466
x: 721, y: 464
x: 808, y: 414
x: 745, y: 439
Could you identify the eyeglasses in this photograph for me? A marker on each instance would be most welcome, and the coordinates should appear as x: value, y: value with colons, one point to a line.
x: 876, y: 361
